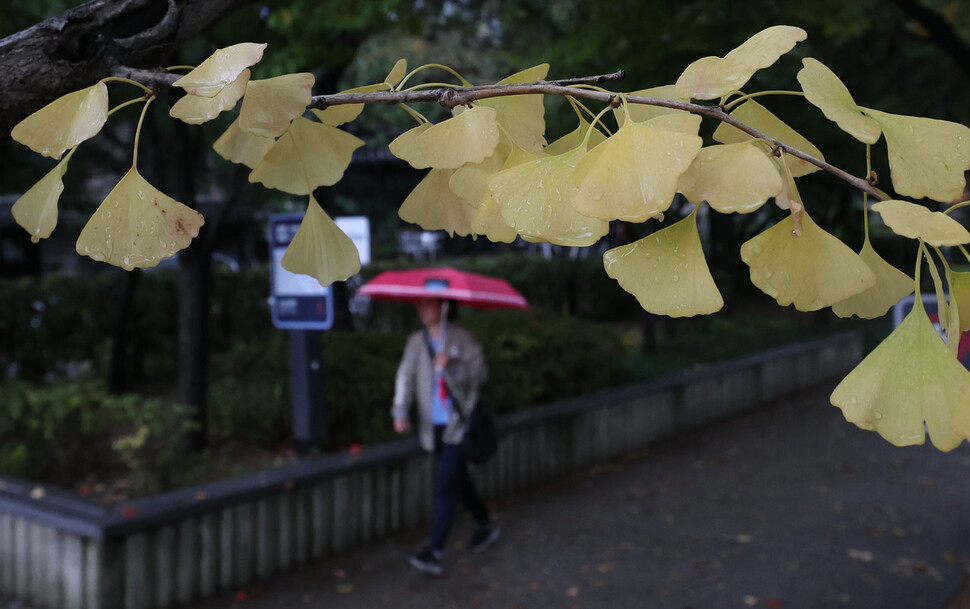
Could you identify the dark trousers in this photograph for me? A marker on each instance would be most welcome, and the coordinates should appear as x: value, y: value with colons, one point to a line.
x: 451, y: 482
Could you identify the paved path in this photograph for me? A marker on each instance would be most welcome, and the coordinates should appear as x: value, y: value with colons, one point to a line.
x: 790, y: 507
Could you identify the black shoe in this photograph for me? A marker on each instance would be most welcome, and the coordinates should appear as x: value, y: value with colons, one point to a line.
x: 427, y: 560
x: 483, y: 537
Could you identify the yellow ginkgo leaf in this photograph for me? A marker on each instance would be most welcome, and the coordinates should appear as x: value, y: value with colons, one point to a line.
x: 535, y: 197
x: 221, y: 68
x: 270, y: 104
x: 714, y: 77
x: 345, y: 113
x: 911, y: 377
x: 488, y: 221
x: 433, y: 206
x: 522, y: 116
x: 731, y: 178
x: 645, y: 112
x: 927, y: 157
x: 813, y: 271
x: 469, y: 137
x: 892, y: 285
x: 470, y: 181
x: 36, y: 210
x: 238, y: 146
x: 574, y: 138
x: 307, y: 156
x: 824, y: 89
x: 667, y: 271
x: 320, y: 249
x: 917, y: 222
x: 65, y: 122
x: 633, y: 175
x: 195, y: 110
x: 960, y: 292
x: 755, y: 115
x: 397, y: 73
x: 137, y: 225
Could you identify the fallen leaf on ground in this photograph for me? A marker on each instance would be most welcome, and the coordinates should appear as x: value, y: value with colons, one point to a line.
x: 863, y: 555
x: 345, y: 588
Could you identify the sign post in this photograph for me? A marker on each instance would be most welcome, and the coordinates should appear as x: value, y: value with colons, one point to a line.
x: 302, y: 306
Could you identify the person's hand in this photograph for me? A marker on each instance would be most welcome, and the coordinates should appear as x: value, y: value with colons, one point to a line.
x: 441, y: 361
x: 402, y: 425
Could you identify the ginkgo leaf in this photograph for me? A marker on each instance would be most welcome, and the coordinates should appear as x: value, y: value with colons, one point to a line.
x: 574, y: 138
x: 270, y: 104
x: 433, y: 206
x: 221, y: 68
x: 812, y: 271
x: 403, y: 145
x: 195, y: 110
x: 522, y: 116
x: 535, y: 197
x: 927, y: 157
x: 755, y: 115
x: 469, y: 137
x: 731, y: 178
x: 892, y: 285
x: 307, y: 156
x: 714, y: 77
x: 824, y: 89
x: 238, y: 146
x: 65, y: 122
x: 397, y: 73
x: 667, y: 271
x: 960, y: 292
x: 470, y: 181
x: 917, y: 222
x: 137, y: 225
x: 633, y: 175
x: 488, y: 221
x: 645, y: 112
x: 911, y: 377
x: 36, y: 210
x: 345, y: 113
x: 320, y: 249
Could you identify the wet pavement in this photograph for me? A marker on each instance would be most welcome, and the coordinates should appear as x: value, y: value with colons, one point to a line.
x: 788, y: 507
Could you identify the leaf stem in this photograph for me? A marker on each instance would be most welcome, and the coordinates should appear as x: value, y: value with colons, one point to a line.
x: 746, y: 96
x: 171, y: 68
x: 956, y: 206
x: 129, y: 81
x: 432, y: 85
x: 141, y: 120
x: 428, y: 66
x: 130, y: 102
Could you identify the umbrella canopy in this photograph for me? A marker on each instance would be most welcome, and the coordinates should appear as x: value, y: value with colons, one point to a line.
x: 447, y: 283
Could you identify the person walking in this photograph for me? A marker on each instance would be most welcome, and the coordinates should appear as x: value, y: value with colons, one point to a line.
x: 443, y: 370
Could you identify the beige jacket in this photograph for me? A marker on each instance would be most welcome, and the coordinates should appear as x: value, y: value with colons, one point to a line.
x: 465, y: 374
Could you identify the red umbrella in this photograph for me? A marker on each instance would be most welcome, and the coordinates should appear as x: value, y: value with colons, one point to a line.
x: 447, y: 283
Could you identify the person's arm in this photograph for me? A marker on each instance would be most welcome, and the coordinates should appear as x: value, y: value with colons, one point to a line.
x: 466, y: 369
x: 404, y: 388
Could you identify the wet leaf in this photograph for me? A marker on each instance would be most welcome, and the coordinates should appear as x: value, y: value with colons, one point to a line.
x: 522, y: 116
x: 927, y: 157
x: 221, y: 68
x: 320, y: 249
x: 307, y: 156
x: 137, y: 225
x: 488, y: 220
x: 36, y: 210
x: 574, y: 138
x: 270, y: 104
x: 238, y: 146
x: 911, y: 377
x: 811, y: 271
x: 755, y: 115
x: 643, y: 112
x: 891, y: 286
x: 397, y: 73
x: 714, y: 77
x: 633, y: 175
x: 731, y: 178
x: 667, y: 271
x: 65, y: 122
x: 470, y: 181
x: 469, y: 137
x: 195, y: 110
x: 535, y: 197
x: 433, y: 206
x: 917, y: 222
x: 824, y: 89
